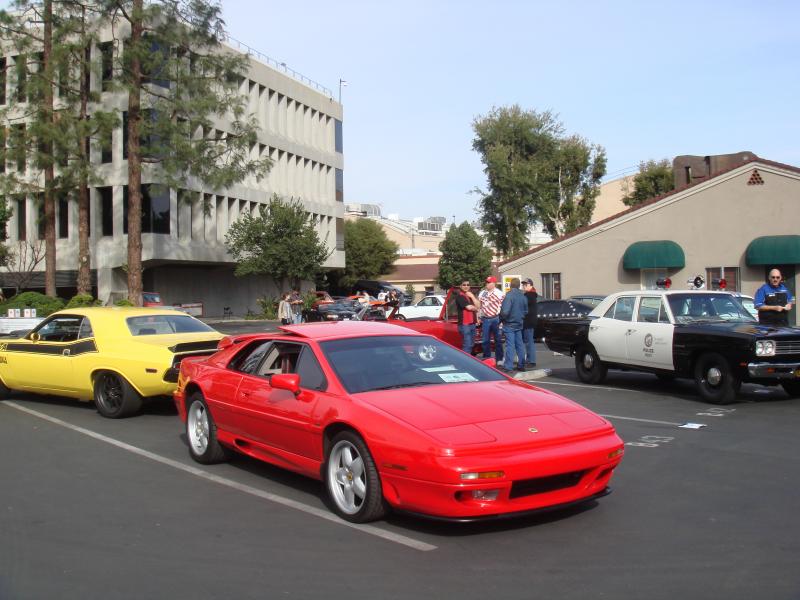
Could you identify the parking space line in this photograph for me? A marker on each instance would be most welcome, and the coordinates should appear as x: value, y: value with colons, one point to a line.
x: 198, y: 472
x: 641, y: 420
x: 580, y: 385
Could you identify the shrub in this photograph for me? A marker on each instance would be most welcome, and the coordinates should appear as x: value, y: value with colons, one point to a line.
x: 123, y: 302
x: 44, y: 305
x: 82, y: 300
x: 269, y: 307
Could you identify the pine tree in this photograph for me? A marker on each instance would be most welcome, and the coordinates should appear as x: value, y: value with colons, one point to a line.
x: 178, y: 76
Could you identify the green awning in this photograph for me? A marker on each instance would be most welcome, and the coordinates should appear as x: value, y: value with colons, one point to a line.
x: 654, y: 255
x: 774, y: 250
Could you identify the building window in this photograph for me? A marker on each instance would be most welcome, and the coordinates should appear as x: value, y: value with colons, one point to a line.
x: 2, y: 149
x: 22, y: 75
x: 2, y: 80
x: 63, y: 217
x: 551, y: 286
x: 649, y: 277
x: 41, y: 222
x: 107, y: 210
x: 338, y: 141
x: 106, y: 64
x: 339, y: 185
x: 155, y: 209
x: 22, y: 217
x: 18, y: 149
x: 106, y: 155
x: 729, y: 274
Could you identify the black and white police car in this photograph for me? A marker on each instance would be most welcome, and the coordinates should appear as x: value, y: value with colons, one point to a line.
x: 708, y: 336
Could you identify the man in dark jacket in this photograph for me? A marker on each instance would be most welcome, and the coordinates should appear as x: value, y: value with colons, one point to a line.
x: 512, y: 314
x: 529, y: 324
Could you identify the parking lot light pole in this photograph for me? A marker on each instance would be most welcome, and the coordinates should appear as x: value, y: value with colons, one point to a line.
x: 342, y: 82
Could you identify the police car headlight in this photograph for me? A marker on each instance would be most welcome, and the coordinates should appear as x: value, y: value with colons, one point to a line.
x: 765, y: 348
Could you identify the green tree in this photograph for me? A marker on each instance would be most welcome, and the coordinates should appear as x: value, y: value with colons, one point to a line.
x: 54, y: 56
x: 653, y: 179
x: 535, y: 174
x: 280, y: 242
x: 464, y: 257
x: 178, y: 78
x: 368, y: 252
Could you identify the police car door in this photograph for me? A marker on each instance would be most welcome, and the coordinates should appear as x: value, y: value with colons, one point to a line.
x: 650, y: 338
x: 608, y: 334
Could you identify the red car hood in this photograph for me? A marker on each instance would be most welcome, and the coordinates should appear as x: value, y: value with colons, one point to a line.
x: 488, y: 412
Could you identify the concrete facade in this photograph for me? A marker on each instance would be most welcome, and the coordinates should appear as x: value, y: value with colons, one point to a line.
x: 713, y: 221
x: 300, y: 131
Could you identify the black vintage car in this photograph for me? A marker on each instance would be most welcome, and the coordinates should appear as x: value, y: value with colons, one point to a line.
x: 709, y: 337
x: 549, y: 310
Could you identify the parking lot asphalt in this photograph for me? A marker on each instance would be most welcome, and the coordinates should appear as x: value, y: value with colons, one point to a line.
x: 92, y: 507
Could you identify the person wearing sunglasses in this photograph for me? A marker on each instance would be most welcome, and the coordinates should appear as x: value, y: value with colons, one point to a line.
x: 467, y: 305
x: 773, y: 300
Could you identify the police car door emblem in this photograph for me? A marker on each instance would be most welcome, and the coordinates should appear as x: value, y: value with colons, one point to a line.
x: 648, y: 340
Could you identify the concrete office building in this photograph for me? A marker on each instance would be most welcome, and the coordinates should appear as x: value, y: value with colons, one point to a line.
x: 184, y: 254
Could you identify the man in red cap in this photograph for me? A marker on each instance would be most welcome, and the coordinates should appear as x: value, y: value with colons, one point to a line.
x: 490, y: 300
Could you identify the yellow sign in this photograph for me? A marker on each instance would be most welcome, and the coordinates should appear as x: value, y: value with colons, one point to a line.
x: 507, y: 282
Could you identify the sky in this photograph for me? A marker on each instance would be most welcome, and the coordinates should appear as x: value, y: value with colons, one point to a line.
x: 645, y: 80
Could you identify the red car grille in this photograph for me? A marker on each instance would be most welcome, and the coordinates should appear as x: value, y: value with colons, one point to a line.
x: 542, y: 485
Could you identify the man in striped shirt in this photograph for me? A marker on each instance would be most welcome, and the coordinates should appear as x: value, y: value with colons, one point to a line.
x: 490, y: 300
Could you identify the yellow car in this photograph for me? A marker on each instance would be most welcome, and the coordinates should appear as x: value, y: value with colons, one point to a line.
x: 113, y: 355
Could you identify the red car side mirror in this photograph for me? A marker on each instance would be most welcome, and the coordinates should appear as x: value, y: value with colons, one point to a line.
x: 286, y: 381
x: 490, y: 362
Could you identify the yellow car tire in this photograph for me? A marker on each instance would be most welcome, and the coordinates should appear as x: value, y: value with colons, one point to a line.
x: 114, y: 397
x: 4, y: 391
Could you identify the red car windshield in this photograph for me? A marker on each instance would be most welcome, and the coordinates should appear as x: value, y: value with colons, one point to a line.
x: 392, y: 362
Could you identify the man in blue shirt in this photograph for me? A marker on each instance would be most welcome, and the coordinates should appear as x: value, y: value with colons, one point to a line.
x: 512, y: 314
x: 773, y: 301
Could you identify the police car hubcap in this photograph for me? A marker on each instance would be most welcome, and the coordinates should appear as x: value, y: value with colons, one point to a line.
x: 714, y: 376
x: 588, y: 361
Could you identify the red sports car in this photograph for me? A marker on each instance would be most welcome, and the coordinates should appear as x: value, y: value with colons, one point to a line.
x: 388, y: 418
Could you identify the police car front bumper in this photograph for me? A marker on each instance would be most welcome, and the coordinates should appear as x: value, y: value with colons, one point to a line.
x: 790, y: 370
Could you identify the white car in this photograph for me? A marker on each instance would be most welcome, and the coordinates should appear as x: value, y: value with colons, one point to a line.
x: 429, y: 306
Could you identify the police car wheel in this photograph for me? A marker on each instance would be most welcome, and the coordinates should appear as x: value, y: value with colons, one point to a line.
x: 714, y: 380
x: 588, y: 366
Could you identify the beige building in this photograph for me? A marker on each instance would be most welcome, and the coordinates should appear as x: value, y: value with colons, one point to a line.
x: 609, y: 200
x: 735, y: 224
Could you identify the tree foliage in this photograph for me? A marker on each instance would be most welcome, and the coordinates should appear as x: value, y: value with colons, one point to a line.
x: 6, y: 212
x: 535, y: 173
x: 280, y: 242
x: 48, y: 114
x: 653, y: 179
x: 464, y: 257
x: 180, y: 80
x: 369, y: 253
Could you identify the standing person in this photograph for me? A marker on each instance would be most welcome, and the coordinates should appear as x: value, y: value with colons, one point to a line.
x: 467, y: 306
x: 512, y: 314
x: 490, y: 300
x: 285, y: 310
x: 529, y: 324
x: 773, y: 300
x: 296, y: 301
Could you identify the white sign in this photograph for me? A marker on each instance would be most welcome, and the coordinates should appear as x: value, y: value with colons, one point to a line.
x: 507, y: 282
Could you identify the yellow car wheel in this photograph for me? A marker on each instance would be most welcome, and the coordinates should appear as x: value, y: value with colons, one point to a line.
x: 4, y: 391
x: 114, y: 397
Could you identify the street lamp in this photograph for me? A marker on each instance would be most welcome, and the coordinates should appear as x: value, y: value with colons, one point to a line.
x: 342, y: 82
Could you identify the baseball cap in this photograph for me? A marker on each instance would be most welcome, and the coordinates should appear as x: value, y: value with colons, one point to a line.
x: 527, y: 281
x: 491, y: 279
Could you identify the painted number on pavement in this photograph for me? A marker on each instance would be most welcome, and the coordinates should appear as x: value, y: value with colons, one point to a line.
x: 650, y: 441
x: 716, y: 412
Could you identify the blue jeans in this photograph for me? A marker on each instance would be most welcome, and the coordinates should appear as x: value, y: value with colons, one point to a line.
x: 530, y: 345
x: 467, y: 337
x: 491, y: 327
x: 297, y: 318
x: 514, y: 345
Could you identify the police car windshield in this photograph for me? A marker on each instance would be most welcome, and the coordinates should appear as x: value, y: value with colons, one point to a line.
x: 697, y: 308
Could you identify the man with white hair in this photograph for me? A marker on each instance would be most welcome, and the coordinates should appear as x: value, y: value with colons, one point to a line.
x: 773, y: 300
